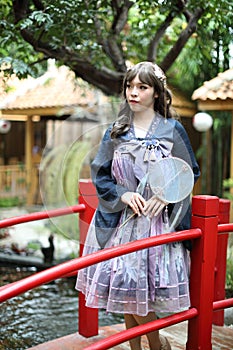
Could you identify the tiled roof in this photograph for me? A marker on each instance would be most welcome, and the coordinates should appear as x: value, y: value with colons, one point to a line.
x: 220, y: 87
x: 56, y: 88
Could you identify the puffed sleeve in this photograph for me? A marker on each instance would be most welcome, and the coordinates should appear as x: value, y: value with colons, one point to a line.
x: 110, y: 206
x: 108, y: 191
x: 182, y: 149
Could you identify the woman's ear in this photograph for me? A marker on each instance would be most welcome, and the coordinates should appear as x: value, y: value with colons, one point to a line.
x: 156, y: 95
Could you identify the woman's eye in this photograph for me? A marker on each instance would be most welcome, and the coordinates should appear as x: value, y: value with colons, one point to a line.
x: 143, y: 87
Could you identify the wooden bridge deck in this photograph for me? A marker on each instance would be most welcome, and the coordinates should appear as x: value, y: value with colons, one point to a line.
x: 222, y: 339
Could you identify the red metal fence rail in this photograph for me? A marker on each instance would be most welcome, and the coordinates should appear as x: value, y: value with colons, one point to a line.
x: 42, y: 215
x: 13, y: 289
x: 209, y: 214
x: 221, y: 260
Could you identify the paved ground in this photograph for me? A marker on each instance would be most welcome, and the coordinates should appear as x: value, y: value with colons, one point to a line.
x: 222, y: 339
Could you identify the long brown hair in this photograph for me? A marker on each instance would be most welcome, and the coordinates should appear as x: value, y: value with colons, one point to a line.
x: 152, y: 75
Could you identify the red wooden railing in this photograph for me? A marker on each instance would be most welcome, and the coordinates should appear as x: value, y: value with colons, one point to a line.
x: 207, y: 279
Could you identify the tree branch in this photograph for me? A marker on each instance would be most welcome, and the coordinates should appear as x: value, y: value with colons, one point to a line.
x: 20, y: 8
x: 152, y: 50
x: 111, y: 46
x: 39, y: 5
x: 182, y: 40
x: 121, y: 15
x: 115, y: 52
x: 110, y: 82
x: 179, y: 7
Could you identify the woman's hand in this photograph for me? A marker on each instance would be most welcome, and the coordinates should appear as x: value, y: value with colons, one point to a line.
x: 154, y: 206
x: 135, y: 201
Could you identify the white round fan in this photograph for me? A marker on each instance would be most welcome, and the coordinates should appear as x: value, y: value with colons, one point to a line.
x: 171, y: 179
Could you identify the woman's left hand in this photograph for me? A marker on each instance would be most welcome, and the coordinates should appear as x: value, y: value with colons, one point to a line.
x: 154, y: 206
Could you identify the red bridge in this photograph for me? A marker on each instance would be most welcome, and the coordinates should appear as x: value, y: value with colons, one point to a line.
x: 199, y: 328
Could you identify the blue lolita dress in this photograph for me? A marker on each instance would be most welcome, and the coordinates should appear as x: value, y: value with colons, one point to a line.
x: 154, y: 279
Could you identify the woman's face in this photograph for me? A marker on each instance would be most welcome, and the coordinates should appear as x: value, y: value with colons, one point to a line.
x: 140, y: 96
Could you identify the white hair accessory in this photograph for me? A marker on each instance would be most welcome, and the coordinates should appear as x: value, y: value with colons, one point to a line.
x: 159, y: 73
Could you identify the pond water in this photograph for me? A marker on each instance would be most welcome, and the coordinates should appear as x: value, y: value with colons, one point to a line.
x: 42, y: 314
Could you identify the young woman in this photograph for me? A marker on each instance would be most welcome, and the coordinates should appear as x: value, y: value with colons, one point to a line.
x: 153, y: 280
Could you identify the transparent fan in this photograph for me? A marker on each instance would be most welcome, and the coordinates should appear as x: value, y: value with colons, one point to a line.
x: 171, y: 179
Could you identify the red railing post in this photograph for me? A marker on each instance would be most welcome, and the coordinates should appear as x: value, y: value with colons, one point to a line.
x: 88, y: 317
x: 203, y: 255
x: 221, y: 261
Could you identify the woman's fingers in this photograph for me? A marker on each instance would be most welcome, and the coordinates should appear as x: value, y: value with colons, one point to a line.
x: 135, y: 201
x: 157, y: 209
x: 154, y: 206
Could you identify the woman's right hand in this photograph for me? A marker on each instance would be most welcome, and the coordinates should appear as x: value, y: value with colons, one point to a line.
x: 135, y: 201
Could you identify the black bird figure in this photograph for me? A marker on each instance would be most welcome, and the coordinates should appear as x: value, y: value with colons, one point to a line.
x: 48, y: 252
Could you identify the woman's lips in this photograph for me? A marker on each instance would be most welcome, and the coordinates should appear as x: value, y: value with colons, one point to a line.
x: 133, y: 102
